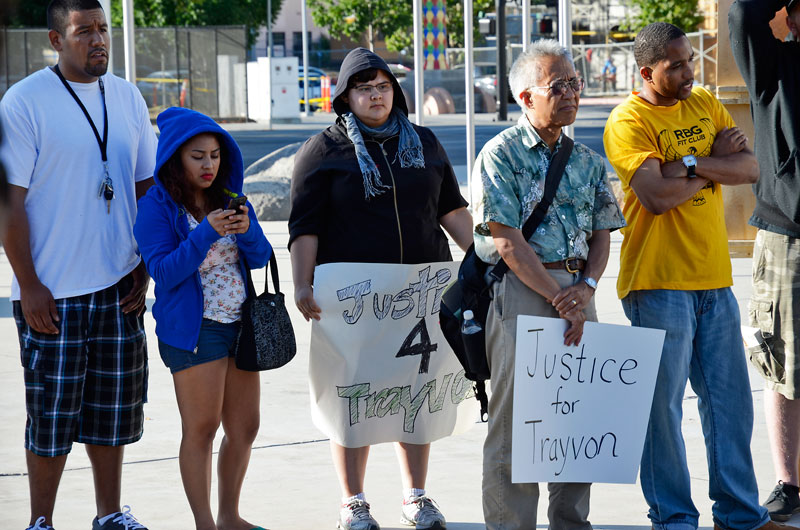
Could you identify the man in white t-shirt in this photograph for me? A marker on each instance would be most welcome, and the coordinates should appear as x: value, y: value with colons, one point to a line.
x: 79, y: 149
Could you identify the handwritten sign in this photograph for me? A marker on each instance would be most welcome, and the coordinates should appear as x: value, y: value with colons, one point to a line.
x: 380, y: 369
x: 581, y: 412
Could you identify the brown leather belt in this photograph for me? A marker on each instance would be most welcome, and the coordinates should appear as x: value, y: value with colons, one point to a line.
x: 572, y: 265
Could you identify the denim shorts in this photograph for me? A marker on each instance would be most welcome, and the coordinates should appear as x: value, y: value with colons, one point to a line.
x: 215, y: 342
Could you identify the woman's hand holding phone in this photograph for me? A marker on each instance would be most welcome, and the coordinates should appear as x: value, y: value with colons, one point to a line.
x: 238, y: 223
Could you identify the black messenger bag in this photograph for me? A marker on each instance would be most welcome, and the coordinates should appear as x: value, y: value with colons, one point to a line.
x: 473, y: 290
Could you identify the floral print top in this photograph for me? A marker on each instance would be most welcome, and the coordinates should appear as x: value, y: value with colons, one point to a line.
x: 508, y: 182
x: 224, y: 290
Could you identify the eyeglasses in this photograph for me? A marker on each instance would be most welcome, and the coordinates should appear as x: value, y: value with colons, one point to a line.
x: 366, y: 90
x: 559, y: 88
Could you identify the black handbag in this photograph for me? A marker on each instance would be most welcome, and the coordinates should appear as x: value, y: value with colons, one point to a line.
x: 473, y: 290
x: 266, y: 337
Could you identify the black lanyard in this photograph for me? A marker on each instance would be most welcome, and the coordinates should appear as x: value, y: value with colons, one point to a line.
x: 103, y: 143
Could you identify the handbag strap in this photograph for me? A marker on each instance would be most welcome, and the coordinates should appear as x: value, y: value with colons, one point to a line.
x: 551, y: 182
x: 272, y: 267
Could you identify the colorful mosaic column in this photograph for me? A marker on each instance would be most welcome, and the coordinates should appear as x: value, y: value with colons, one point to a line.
x: 434, y: 16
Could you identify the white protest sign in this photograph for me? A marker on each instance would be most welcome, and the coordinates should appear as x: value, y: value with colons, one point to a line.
x: 380, y: 369
x: 581, y: 412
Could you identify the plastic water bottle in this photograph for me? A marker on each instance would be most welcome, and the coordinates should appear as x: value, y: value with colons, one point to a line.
x: 470, y: 327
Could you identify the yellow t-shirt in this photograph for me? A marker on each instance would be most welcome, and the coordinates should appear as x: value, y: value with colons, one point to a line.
x: 685, y: 248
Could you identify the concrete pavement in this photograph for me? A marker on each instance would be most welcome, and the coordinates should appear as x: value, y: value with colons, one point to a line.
x: 291, y: 482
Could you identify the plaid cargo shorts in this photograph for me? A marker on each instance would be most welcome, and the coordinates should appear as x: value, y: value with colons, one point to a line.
x: 775, y: 310
x: 88, y: 383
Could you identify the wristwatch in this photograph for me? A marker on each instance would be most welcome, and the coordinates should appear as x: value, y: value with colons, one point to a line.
x: 691, y: 163
x: 591, y: 282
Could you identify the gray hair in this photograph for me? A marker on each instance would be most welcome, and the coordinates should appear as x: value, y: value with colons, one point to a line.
x: 526, y: 71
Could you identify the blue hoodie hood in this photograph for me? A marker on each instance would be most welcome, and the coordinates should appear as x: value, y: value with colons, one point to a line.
x: 178, y: 125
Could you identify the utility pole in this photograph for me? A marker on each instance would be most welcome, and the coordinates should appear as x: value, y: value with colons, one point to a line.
x: 269, y: 29
x: 130, y: 46
x: 107, y: 10
x: 526, y: 25
x: 418, y: 66
x: 307, y: 109
x: 502, y: 66
x: 469, y: 86
x: 565, y: 39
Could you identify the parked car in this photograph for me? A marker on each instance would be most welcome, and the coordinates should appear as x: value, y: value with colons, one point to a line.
x: 400, y: 71
x: 161, y: 88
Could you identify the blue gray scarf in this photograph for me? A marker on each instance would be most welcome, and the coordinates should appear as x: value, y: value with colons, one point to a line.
x: 409, y: 149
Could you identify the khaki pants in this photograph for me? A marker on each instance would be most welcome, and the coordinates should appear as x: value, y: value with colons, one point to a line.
x: 509, y: 506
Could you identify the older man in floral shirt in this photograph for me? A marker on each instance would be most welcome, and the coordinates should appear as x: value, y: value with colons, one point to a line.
x: 554, y: 274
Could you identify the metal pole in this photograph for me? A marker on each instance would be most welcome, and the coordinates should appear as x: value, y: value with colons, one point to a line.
x: 702, y: 58
x: 526, y: 25
x: 5, y: 48
x: 269, y: 62
x: 306, y: 112
x: 127, y: 35
x: 178, y: 59
x: 418, y: 74
x: 25, y: 44
x: 189, y: 67
x: 107, y: 11
x: 469, y: 86
x: 565, y: 38
x: 502, y: 62
x: 269, y: 29
x: 216, y: 67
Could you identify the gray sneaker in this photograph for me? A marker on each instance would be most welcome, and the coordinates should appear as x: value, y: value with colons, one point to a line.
x: 423, y: 513
x: 119, y: 521
x: 39, y: 525
x: 355, y: 516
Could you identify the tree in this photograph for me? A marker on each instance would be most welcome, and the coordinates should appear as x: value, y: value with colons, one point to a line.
x: 455, y: 21
x: 159, y: 13
x: 393, y: 18
x: 357, y: 18
x: 682, y: 13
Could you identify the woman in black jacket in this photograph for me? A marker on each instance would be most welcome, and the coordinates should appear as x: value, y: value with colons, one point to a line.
x: 373, y: 188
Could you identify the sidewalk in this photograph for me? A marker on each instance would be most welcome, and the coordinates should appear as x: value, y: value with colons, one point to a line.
x: 291, y: 482
x: 317, y: 120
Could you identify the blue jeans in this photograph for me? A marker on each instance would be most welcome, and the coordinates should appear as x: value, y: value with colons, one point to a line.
x: 703, y: 344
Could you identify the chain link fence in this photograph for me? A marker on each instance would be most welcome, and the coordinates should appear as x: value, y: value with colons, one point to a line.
x: 620, y: 77
x: 205, y: 68
x: 199, y: 68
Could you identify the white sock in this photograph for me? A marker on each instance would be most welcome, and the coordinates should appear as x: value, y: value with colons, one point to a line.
x: 412, y: 492
x: 357, y: 496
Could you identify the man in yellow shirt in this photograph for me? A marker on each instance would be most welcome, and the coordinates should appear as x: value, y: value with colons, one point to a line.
x: 673, y: 146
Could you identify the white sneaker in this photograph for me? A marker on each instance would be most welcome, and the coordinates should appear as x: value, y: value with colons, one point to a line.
x: 355, y: 516
x: 423, y: 513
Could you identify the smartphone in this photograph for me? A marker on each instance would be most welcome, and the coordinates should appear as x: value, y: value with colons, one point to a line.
x: 236, y: 203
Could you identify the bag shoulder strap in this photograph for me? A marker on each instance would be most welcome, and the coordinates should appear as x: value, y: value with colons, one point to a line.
x: 272, y: 267
x: 551, y: 182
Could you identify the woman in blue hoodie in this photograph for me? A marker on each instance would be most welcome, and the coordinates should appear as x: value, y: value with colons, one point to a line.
x: 197, y: 252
